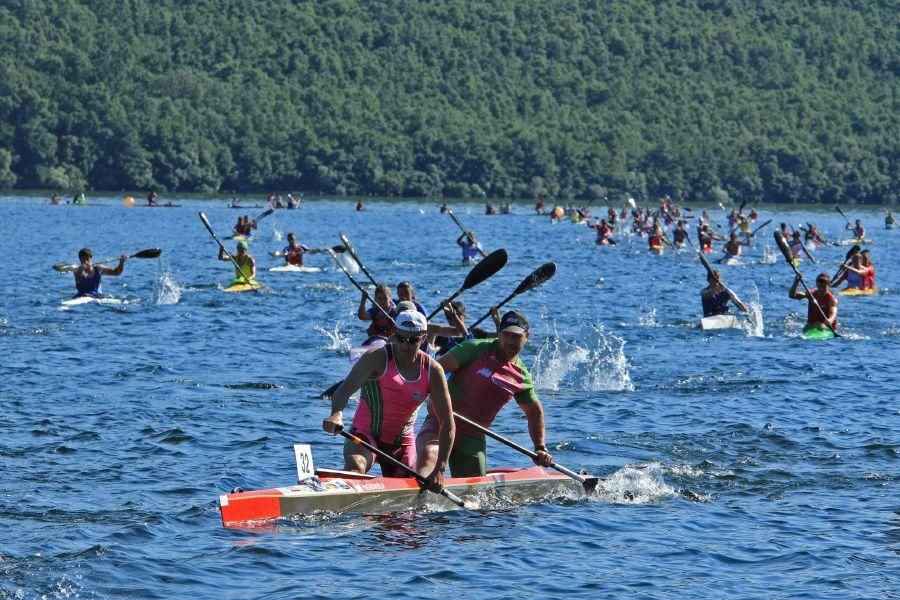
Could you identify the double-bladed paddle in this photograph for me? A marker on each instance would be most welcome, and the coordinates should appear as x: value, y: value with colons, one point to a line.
x: 263, y: 215
x: 209, y: 228
x: 356, y: 283
x: 540, y: 276
x: 589, y: 483
x: 855, y: 249
x: 488, y: 266
x: 838, y: 208
x: 464, y: 230
x: 279, y: 254
x: 396, y: 463
x: 737, y: 301
x: 149, y: 253
x: 786, y: 251
x: 355, y: 256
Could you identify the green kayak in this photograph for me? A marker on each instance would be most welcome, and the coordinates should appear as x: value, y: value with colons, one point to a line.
x: 818, y: 333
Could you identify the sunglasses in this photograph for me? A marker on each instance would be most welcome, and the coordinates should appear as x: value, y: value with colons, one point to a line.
x: 408, y: 339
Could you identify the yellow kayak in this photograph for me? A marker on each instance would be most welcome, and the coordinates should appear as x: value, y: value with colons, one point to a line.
x: 657, y: 249
x: 850, y: 291
x: 242, y: 285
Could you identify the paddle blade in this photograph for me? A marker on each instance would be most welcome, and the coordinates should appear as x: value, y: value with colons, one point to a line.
x: 64, y: 267
x: 206, y: 224
x: 539, y: 277
x: 854, y: 250
x: 327, y: 394
x: 783, y: 246
x: 488, y: 266
x: 149, y: 253
x: 264, y: 215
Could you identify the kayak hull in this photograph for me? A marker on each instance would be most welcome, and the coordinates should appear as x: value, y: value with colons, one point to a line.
x: 817, y: 333
x: 344, y: 493
x: 720, y: 322
x: 237, y: 286
x: 295, y: 269
x: 852, y: 241
x: 80, y: 300
x: 858, y: 292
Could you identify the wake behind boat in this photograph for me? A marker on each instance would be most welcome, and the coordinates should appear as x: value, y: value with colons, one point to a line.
x: 341, y: 491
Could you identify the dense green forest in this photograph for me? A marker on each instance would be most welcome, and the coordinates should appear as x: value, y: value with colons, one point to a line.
x: 784, y: 101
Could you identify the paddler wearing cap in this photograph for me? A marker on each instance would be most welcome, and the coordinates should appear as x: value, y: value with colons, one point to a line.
x: 486, y: 374
x: 826, y: 300
x: 395, y: 380
x: 245, y: 271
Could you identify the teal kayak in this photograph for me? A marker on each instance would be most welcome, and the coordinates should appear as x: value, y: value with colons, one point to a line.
x: 818, y: 333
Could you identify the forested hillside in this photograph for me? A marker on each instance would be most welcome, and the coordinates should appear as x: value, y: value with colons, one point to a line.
x: 788, y: 101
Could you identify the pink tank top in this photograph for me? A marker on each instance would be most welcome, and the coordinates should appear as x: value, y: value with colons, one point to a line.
x: 388, y: 405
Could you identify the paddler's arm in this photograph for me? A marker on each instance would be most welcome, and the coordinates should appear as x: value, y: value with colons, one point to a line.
x: 361, y: 313
x: 456, y: 324
x: 222, y: 254
x: 367, y: 367
x: 534, y: 412
x: 114, y: 271
x: 796, y: 295
x: 252, y: 263
x: 442, y: 408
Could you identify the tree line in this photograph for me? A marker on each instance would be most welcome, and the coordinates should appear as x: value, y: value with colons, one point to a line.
x: 699, y: 99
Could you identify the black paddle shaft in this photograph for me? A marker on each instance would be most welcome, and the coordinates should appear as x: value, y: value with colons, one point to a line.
x: 491, y: 264
x: 396, y: 463
x: 782, y: 245
x: 537, y: 278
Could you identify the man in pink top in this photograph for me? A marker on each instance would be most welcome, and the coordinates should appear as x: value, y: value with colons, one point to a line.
x: 395, y: 380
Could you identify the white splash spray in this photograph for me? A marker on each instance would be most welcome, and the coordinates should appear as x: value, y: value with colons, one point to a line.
x: 593, y: 362
x: 277, y: 236
x: 166, y: 290
x: 336, y: 340
x: 753, y: 326
x: 347, y: 261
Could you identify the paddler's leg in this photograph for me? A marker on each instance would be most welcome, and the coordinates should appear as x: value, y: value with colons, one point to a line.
x: 469, y: 456
x: 357, y: 458
x: 427, y: 443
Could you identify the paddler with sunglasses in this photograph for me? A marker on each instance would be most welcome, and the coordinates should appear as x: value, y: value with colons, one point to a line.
x: 395, y: 381
x: 486, y: 375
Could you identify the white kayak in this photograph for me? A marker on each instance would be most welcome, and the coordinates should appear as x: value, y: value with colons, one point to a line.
x: 295, y: 269
x: 720, y: 322
x: 733, y: 261
x: 355, y: 353
x: 79, y: 300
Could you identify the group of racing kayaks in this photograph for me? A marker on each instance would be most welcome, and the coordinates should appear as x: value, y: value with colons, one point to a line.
x: 343, y: 491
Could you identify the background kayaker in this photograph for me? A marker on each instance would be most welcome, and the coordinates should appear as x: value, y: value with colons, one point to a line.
x: 405, y: 292
x: 486, y: 375
x: 381, y: 326
x: 293, y: 252
x: 245, y: 271
x: 827, y: 301
x: 471, y: 249
x: 715, y: 297
x: 87, y: 275
x: 395, y: 380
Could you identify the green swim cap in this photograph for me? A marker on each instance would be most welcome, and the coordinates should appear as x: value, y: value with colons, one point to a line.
x: 243, y: 244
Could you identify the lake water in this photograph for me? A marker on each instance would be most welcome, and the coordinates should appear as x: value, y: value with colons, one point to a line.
x: 739, y: 463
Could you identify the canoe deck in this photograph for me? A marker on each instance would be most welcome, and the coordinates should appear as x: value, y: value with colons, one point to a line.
x: 377, y: 495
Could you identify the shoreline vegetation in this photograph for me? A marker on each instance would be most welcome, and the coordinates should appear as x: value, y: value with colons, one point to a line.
x: 569, y: 101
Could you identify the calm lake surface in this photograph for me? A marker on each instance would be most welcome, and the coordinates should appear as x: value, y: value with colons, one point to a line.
x: 739, y: 463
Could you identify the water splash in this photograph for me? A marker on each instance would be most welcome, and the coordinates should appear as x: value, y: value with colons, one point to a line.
x: 753, y: 325
x: 166, y: 290
x: 337, y: 341
x: 277, y: 235
x: 768, y: 257
x: 638, y: 484
x: 594, y: 362
x: 648, y: 319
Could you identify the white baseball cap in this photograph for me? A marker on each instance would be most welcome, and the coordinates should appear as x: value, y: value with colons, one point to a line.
x: 411, y: 321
